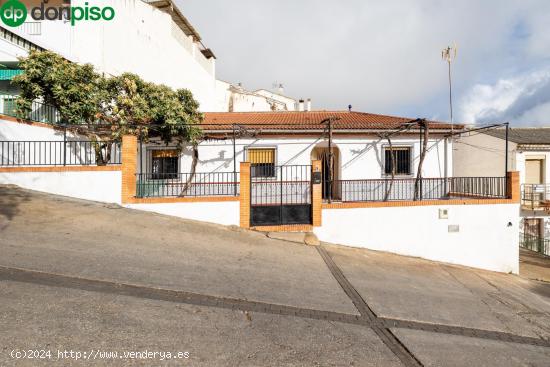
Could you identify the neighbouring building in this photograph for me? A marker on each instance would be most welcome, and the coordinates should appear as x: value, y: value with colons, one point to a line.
x: 235, y: 98
x: 483, y: 154
x: 150, y: 38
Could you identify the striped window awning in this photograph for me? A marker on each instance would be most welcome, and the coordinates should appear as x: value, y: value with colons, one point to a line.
x: 261, y: 156
x: 8, y: 74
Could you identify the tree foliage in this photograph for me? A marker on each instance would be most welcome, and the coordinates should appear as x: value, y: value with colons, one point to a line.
x: 105, y: 108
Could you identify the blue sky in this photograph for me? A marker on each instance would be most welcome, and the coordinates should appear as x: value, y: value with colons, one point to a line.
x: 385, y: 56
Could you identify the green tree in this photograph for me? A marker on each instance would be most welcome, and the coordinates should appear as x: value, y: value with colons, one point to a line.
x: 103, y: 108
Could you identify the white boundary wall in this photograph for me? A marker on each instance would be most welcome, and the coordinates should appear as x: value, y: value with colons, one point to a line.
x: 104, y: 186
x: 484, y: 238
x: 223, y: 212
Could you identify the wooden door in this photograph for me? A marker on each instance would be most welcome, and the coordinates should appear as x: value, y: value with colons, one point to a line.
x: 534, y: 171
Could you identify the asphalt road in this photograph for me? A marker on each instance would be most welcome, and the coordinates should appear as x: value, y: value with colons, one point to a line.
x: 83, y: 283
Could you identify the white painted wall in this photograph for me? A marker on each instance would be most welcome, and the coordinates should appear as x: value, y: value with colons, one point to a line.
x: 477, y: 155
x: 225, y: 212
x: 360, y: 158
x: 104, y: 186
x: 484, y: 239
x: 140, y: 39
x: 14, y: 131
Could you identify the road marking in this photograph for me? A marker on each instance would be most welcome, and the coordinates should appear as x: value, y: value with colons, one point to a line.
x: 384, y: 333
x: 160, y: 294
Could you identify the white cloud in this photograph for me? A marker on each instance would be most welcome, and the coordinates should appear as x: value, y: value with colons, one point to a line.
x: 523, y: 100
x: 380, y: 56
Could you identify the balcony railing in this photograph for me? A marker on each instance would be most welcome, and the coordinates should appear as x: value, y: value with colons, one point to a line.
x: 40, y: 112
x: 535, y: 243
x: 535, y: 196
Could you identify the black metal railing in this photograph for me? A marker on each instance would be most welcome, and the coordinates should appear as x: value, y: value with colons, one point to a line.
x: 187, y: 184
x: 482, y: 187
x: 535, y: 196
x: 534, y: 243
x: 53, y: 153
x: 426, y: 189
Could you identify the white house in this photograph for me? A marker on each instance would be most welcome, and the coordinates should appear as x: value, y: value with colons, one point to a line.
x: 358, y: 179
x: 235, y: 98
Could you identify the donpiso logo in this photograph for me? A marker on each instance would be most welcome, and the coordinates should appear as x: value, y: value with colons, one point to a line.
x: 14, y: 13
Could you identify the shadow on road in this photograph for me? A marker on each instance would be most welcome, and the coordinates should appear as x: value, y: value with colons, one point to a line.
x: 11, y: 198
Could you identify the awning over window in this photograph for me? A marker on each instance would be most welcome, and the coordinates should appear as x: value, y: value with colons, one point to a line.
x: 165, y: 153
x: 8, y: 74
x: 259, y: 156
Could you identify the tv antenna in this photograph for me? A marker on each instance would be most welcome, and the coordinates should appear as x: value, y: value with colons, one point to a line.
x: 449, y: 55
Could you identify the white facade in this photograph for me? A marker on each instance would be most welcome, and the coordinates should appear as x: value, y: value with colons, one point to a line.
x: 144, y: 40
x: 481, y: 236
x: 222, y: 212
x: 359, y: 157
x: 141, y: 39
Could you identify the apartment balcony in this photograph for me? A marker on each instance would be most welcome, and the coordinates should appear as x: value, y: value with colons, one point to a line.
x: 536, y: 197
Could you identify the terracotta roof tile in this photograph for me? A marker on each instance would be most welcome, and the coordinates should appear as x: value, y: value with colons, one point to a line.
x: 310, y: 120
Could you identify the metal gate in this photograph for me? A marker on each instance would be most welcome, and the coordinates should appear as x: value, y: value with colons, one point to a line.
x: 280, y: 195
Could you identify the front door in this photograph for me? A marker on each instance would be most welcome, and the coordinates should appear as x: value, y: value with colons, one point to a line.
x: 534, y: 171
x: 532, y: 233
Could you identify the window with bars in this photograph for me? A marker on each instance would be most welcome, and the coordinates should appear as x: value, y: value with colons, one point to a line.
x: 262, y: 162
x: 164, y: 164
x: 403, y: 161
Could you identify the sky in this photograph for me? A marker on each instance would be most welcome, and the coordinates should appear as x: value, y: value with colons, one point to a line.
x: 385, y: 56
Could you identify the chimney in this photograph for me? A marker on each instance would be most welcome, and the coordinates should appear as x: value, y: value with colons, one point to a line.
x: 349, y: 108
x: 308, y: 104
x: 301, y: 105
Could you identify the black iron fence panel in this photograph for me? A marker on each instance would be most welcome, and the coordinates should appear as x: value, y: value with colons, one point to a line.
x: 424, y: 189
x: 187, y: 184
x: 55, y: 153
x: 535, y: 243
x: 485, y: 187
x: 280, y: 195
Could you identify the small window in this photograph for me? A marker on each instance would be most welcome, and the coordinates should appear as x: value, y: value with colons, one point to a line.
x: 402, y: 160
x: 164, y: 164
x: 9, y: 106
x: 262, y: 162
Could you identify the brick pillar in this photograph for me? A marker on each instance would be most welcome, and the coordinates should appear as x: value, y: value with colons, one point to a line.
x: 513, y: 189
x: 129, y: 167
x: 245, y: 195
x: 316, y: 196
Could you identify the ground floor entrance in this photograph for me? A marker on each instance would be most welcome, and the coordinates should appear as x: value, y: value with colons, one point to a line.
x: 280, y: 195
